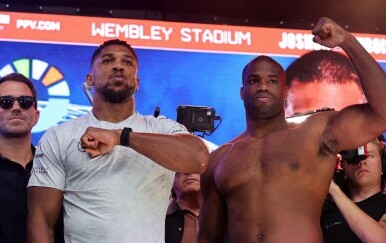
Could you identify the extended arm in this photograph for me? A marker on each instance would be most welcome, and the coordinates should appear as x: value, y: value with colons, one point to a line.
x: 365, y: 227
x: 44, y: 205
x: 213, y: 212
x: 182, y: 152
x: 359, y: 123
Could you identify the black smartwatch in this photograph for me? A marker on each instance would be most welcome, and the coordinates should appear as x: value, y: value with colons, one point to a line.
x: 125, y: 136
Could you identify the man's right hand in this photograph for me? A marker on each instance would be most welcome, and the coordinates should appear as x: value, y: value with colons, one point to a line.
x: 329, y: 34
x: 98, y: 141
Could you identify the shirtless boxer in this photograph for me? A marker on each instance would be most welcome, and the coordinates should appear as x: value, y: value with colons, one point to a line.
x: 269, y: 184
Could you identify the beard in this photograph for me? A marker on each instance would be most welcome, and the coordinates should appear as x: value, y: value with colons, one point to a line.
x: 263, y: 111
x: 10, y: 131
x: 114, y: 95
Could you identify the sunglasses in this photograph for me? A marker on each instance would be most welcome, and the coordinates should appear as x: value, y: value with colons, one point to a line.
x: 25, y: 102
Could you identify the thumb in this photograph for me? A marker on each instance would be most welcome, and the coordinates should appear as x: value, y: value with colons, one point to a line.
x: 92, y: 152
x: 317, y: 39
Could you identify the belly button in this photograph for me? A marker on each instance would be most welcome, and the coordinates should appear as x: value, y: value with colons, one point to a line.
x: 259, y: 236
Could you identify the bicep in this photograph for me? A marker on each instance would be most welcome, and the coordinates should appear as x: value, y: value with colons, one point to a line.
x: 213, y: 217
x: 354, y: 126
x: 44, y: 204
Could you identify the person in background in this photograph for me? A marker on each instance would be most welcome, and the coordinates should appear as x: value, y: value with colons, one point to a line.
x: 320, y: 79
x: 18, y: 115
x: 181, y: 225
x: 113, y: 168
x: 358, y: 210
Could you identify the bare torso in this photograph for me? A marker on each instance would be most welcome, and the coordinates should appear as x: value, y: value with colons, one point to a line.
x: 274, y: 187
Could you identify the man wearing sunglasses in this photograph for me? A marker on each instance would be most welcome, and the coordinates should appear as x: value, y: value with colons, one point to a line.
x: 18, y: 115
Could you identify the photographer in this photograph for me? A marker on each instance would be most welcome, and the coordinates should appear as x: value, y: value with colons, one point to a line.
x: 358, y: 213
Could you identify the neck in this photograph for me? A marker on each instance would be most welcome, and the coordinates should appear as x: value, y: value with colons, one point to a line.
x: 361, y: 193
x: 191, y: 200
x: 113, y: 112
x: 260, y: 127
x: 16, y: 149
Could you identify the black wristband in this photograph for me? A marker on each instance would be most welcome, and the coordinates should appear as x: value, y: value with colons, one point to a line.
x: 125, y: 135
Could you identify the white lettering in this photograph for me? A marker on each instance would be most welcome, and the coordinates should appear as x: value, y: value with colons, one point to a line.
x: 301, y: 41
x: 185, y: 35
x: 373, y: 45
x: 219, y: 37
x: 155, y: 33
x: 37, y: 25
x: 298, y: 41
x: 110, y: 30
x: 134, y: 32
x: 167, y: 32
x: 131, y: 31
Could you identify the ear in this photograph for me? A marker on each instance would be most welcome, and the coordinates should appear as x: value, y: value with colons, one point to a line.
x: 137, y: 85
x: 242, y: 92
x: 89, y: 80
x: 37, y: 115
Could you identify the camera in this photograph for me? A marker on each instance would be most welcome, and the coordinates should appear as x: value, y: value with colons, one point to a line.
x: 354, y: 156
x: 196, y: 118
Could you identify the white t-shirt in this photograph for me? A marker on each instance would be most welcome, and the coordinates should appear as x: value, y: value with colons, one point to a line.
x: 118, y: 197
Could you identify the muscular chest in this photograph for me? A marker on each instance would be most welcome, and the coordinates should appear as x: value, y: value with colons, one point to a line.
x: 259, y: 164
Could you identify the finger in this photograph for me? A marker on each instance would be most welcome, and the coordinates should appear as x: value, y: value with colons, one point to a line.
x: 92, y: 152
x: 90, y: 144
x: 86, y: 138
x: 318, y: 26
x: 323, y: 28
x: 325, y: 31
x: 317, y: 39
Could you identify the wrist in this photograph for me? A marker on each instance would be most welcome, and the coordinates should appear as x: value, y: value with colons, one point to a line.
x: 124, y: 138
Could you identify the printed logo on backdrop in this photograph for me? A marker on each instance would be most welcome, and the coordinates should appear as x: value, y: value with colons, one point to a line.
x: 5, y: 20
x: 51, y: 84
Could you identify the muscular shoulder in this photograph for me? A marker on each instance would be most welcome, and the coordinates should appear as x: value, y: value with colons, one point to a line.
x: 215, y: 155
x: 225, y: 153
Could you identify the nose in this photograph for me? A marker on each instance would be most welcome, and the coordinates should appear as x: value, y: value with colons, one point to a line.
x: 362, y: 162
x: 263, y: 85
x: 118, y: 67
x: 16, y: 105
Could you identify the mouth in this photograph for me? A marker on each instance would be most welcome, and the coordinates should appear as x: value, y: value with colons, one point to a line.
x: 360, y: 171
x: 119, y: 76
x: 191, y: 180
x: 263, y: 97
x: 19, y: 118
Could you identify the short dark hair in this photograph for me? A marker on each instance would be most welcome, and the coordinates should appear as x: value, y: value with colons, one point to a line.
x: 18, y: 77
x: 317, y: 65
x: 256, y: 59
x: 109, y: 43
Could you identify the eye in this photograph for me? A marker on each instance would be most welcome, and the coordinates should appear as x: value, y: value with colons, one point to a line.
x: 252, y: 81
x: 106, y: 60
x: 128, y: 62
x: 272, y: 81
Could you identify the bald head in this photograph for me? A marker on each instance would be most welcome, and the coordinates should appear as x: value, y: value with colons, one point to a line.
x: 247, y: 67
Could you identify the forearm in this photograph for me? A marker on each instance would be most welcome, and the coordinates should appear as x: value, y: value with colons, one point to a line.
x: 365, y: 227
x: 182, y: 153
x: 38, y: 231
x: 44, y: 205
